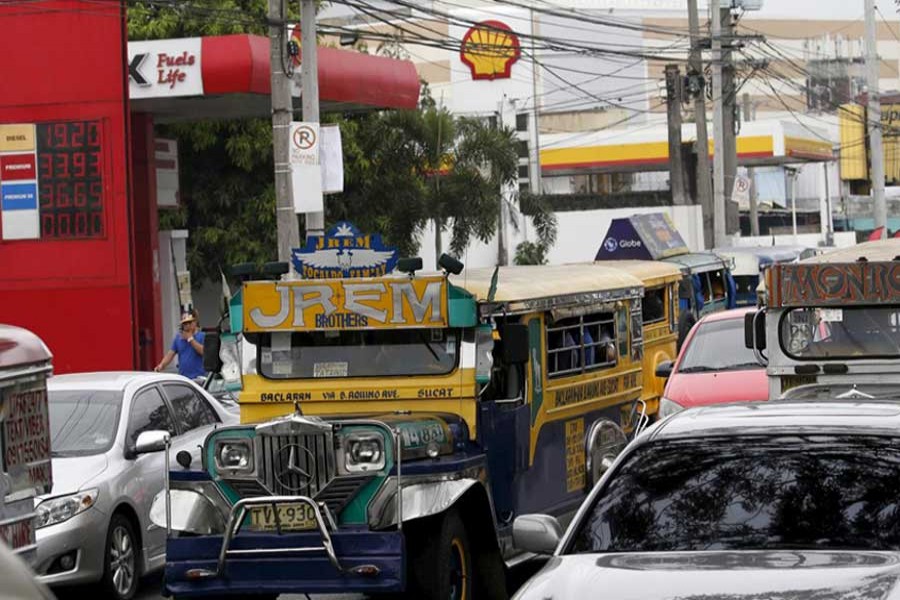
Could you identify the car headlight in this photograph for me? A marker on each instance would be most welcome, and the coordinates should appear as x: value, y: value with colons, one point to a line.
x: 364, y: 452
x: 234, y: 455
x: 60, y: 509
x: 668, y: 407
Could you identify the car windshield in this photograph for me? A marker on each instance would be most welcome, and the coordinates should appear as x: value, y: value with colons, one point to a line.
x: 371, y: 353
x: 718, y: 346
x: 83, y: 422
x: 847, y: 333
x: 750, y: 493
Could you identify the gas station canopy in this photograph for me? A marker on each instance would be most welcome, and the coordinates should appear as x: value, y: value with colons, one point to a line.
x: 225, y: 77
x: 760, y: 143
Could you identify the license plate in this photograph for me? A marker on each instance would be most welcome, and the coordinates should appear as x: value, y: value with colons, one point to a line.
x: 293, y: 517
x: 791, y: 381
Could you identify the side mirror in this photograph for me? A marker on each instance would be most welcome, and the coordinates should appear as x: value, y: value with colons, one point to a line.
x: 664, y: 369
x: 539, y: 534
x: 514, y: 340
x: 211, y: 346
x: 755, y: 330
x: 151, y: 441
x: 191, y: 513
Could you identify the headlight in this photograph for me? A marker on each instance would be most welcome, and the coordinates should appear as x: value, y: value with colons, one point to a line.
x: 364, y: 452
x: 234, y: 455
x: 56, y: 510
x: 668, y: 407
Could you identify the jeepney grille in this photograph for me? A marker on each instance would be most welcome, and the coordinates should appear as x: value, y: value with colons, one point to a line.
x: 313, y: 454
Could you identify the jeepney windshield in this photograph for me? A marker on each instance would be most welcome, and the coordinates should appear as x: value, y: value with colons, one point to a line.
x: 370, y: 353
x: 841, y: 333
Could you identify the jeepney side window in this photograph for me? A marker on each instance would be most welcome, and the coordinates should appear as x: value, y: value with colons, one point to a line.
x: 579, y: 344
x: 653, y: 309
x: 717, y: 285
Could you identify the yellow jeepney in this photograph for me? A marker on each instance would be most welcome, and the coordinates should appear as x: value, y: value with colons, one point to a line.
x: 408, y: 419
x: 659, y: 310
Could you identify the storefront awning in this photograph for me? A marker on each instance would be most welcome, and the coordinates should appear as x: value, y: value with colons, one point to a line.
x: 228, y: 76
x: 647, y: 148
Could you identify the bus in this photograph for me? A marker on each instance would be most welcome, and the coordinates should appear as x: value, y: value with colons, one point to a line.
x: 394, y: 427
x: 25, y: 365
x: 830, y: 326
x: 660, y: 315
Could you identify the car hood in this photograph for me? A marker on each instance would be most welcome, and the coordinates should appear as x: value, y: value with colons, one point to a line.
x: 782, y: 575
x: 74, y: 473
x: 701, y: 389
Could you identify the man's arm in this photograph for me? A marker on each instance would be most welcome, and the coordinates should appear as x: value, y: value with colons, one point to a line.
x: 166, y: 360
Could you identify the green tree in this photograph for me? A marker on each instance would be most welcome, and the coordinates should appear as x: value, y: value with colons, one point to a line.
x: 538, y: 209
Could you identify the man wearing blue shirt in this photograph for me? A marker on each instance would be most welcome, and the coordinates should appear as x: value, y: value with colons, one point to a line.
x: 188, y: 346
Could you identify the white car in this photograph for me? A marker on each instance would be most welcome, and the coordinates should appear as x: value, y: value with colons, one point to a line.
x: 94, y: 526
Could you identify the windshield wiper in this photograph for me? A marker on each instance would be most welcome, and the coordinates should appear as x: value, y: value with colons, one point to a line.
x: 427, y: 344
x: 698, y: 369
x: 746, y: 365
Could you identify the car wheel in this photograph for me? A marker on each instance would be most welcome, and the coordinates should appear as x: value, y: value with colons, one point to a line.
x: 442, y: 560
x: 120, y: 566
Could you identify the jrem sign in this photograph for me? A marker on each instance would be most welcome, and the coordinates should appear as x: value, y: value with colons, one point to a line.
x: 345, y: 304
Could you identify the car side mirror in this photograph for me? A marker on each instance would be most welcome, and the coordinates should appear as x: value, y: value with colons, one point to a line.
x: 664, y: 369
x: 539, y: 534
x: 151, y: 441
x: 755, y: 330
x: 514, y: 340
x: 212, y: 363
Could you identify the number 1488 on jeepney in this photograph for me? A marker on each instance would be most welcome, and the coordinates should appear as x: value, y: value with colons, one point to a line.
x: 393, y: 428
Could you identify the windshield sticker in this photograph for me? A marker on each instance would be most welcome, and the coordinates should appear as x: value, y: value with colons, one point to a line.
x: 451, y: 344
x: 281, y: 341
x: 330, y: 369
x: 281, y: 367
x: 832, y: 315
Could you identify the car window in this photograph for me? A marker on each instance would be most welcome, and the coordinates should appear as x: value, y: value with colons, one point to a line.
x: 718, y: 346
x: 810, y: 492
x: 191, y: 411
x: 149, y: 412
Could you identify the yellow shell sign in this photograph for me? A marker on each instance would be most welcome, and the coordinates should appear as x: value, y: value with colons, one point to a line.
x: 489, y: 49
x: 311, y: 305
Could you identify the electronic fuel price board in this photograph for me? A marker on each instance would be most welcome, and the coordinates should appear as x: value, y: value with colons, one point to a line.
x: 52, y: 181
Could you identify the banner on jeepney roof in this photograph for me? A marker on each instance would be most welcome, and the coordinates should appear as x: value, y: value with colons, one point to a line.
x: 336, y: 304
x: 834, y: 284
x: 343, y: 253
x: 642, y: 237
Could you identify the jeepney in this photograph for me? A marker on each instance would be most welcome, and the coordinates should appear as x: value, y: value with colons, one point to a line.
x: 394, y: 427
x: 25, y: 365
x: 706, y: 286
x: 749, y: 263
x: 831, y: 323
x: 660, y: 315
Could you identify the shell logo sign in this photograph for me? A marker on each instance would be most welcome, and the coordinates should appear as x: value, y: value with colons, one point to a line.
x: 489, y: 49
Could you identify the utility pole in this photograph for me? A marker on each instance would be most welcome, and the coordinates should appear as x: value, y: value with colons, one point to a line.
x: 792, y: 173
x: 309, y: 85
x: 730, y: 120
x: 718, y: 127
x: 751, y: 175
x: 534, y: 155
x: 282, y: 114
x: 674, y: 99
x: 698, y: 91
x: 874, y: 119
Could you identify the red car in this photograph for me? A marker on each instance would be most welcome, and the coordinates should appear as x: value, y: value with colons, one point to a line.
x: 713, y: 367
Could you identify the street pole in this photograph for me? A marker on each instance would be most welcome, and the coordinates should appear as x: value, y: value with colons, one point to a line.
x: 718, y: 127
x: 676, y: 164
x: 754, y: 202
x: 729, y: 119
x: 534, y: 156
x: 282, y: 114
x: 829, y: 224
x: 792, y: 190
x: 704, y: 187
x: 309, y: 85
x: 874, y: 120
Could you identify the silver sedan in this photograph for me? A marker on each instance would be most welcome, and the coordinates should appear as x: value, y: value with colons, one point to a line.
x: 94, y: 526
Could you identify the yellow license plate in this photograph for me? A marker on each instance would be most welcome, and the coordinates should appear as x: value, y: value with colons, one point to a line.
x: 293, y: 517
x: 791, y: 381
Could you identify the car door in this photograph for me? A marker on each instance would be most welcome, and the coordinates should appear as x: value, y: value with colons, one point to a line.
x: 146, y: 476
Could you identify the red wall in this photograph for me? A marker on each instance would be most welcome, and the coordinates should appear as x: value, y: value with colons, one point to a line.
x: 66, y: 60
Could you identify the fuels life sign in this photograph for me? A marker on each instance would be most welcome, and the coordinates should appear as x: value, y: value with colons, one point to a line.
x: 345, y: 304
